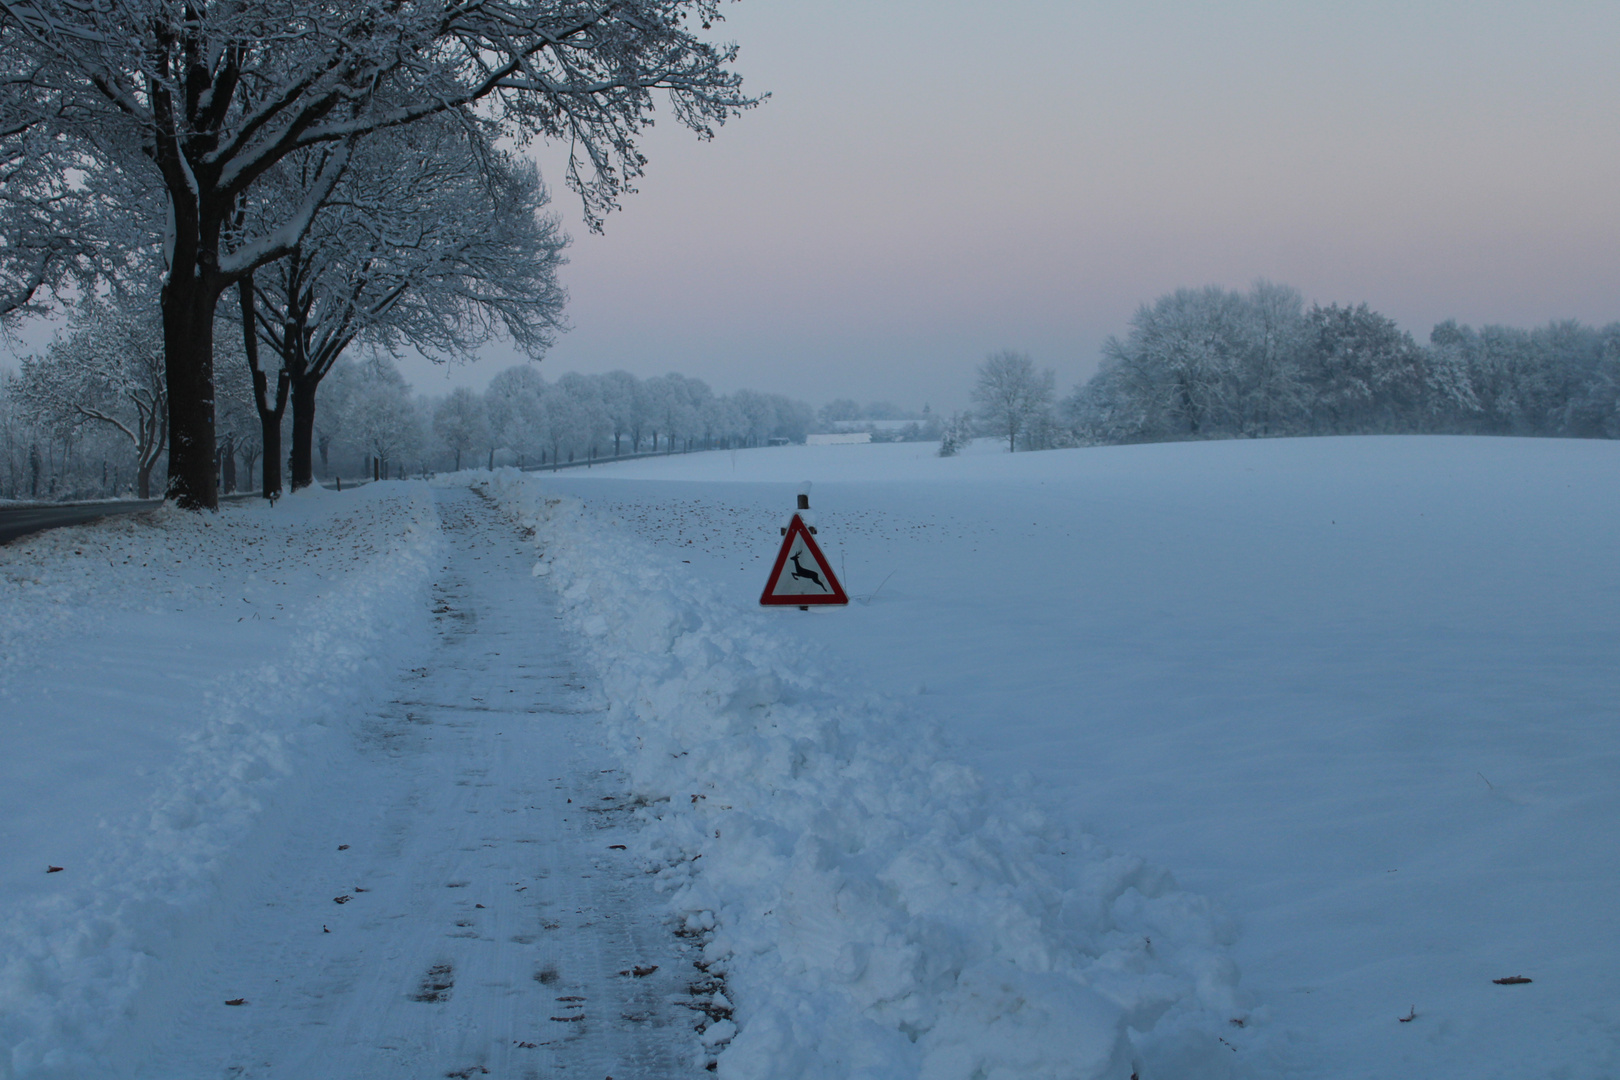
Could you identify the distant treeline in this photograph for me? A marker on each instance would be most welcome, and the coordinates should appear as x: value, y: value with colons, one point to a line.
x: 88, y: 417
x: 1213, y: 363
x: 532, y: 421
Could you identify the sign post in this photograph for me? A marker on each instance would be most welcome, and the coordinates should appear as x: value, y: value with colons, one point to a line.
x: 801, y: 576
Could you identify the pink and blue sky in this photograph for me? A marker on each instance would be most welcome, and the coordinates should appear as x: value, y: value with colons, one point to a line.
x: 932, y: 181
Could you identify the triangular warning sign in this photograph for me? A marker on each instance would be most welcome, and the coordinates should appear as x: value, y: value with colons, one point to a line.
x: 801, y: 575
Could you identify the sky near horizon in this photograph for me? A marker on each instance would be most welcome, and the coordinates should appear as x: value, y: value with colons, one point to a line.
x: 934, y: 181
x: 931, y: 182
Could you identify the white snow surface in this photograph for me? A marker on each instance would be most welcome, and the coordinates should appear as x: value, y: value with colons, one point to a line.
x: 877, y: 910
x: 1357, y: 694
x: 162, y: 676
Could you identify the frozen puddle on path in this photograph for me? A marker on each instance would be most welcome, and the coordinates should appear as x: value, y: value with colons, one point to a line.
x: 452, y: 905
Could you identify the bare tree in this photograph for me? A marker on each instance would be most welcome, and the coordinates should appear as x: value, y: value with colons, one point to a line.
x: 212, y: 94
x: 1010, y: 392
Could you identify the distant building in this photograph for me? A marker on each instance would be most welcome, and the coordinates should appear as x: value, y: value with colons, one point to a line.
x: 839, y: 438
x: 871, y: 425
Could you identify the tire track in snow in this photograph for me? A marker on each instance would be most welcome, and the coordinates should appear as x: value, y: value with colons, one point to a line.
x: 476, y: 920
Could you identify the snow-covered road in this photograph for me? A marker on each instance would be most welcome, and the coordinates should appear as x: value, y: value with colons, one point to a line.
x: 465, y: 779
x: 462, y: 858
x: 450, y: 902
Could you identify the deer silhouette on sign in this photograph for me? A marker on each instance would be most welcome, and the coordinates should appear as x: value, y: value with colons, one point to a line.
x: 801, y: 572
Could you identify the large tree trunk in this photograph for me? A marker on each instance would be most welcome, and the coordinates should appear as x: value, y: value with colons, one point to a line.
x: 270, y: 432
x: 303, y: 431
x: 188, y: 357
x: 248, y: 460
x: 269, y: 415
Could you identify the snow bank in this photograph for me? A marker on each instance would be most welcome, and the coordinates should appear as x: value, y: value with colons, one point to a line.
x: 344, y: 581
x: 874, y: 909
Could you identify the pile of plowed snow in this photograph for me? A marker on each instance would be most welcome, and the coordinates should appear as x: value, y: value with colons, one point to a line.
x: 874, y: 908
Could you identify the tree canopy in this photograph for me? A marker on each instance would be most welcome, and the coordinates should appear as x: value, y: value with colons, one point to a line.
x: 203, y: 100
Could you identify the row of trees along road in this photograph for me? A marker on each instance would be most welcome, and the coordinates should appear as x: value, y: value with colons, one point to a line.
x: 84, y: 420
x: 589, y: 416
x: 217, y: 139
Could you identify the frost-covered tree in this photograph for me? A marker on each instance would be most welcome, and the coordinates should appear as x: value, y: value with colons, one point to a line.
x: 210, y: 95
x: 1558, y: 379
x: 1106, y: 408
x: 433, y: 240
x: 1009, y: 393
x: 1365, y: 373
x: 589, y: 421
x: 662, y: 401
x: 19, y: 435
x: 108, y: 370
x: 337, y: 389
x: 793, y: 419
x: 514, y: 404
x: 1271, y: 389
x: 1183, y: 359
x: 1210, y: 363
x: 559, y: 425
x: 383, y: 419
x: 721, y: 421
x: 48, y: 220
x: 237, y: 417
x: 837, y: 410
x: 1598, y: 406
x: 956, y: 434
x: 460, y: 422
x: 696, y: 396
x: 619, y: 391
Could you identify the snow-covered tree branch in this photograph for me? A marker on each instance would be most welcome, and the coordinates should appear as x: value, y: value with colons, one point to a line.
x: 435, y: 240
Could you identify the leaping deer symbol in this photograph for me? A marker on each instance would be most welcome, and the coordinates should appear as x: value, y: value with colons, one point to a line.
x: 801, y: 572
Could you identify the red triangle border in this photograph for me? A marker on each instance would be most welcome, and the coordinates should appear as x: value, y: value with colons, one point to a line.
x: 797, y: 527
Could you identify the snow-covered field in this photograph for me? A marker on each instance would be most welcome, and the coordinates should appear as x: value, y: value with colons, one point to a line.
x: 1363, y: 694
x: 1254, y: 759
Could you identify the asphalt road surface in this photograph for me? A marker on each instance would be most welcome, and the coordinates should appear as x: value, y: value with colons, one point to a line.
x: 18, y: 521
